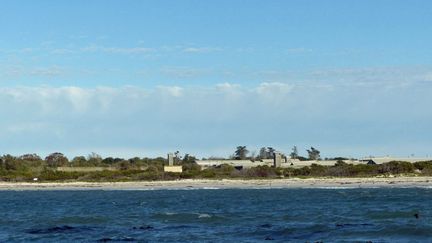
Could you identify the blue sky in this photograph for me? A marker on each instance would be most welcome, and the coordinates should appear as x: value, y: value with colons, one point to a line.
x: 140, y: 78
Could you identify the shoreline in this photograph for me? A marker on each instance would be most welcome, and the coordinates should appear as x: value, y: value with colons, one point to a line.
x: 393, y: 182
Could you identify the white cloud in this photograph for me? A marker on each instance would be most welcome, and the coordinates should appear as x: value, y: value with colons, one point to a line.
x: 227, y: 86
x: 62, y: 51
x: 173, y: 91
x: 48, y: 71
x: 230, y: 91
x: 274, y: 88
x: 184, y: 72
x: 201, y: 49
x: 25, y: 127
x: 299, y: 50
x: 371, y: 75
x: 78, y: 97
x: 118, y: 50
x: 203, y: 118
x: 427, y: 76
x: 21, y: 71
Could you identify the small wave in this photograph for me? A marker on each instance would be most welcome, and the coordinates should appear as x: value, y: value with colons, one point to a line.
x: 135, y: 189
x: 108, y: 239
x: 58, y: 229
x: 204, y: 215
x: 353, y: 225
x: 144, y: 227
x: 266, y: 226
x: 337, y: 187
x: 179, y: 189
x: 199, y: 215
x: 181, y: 226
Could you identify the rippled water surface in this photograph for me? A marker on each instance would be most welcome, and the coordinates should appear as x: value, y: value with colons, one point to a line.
x: 248, y: 215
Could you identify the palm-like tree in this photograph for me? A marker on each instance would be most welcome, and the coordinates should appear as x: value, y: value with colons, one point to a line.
x: 241, y: 152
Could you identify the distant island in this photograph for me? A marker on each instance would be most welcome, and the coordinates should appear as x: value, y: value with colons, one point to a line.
x: 269, y: 164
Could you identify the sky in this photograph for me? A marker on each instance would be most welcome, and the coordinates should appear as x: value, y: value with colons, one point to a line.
x: 143, y: 78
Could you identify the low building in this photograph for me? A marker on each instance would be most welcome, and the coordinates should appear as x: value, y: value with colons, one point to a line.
x: 282, y: 162
x: 386, y: 159
x: 238, y: 164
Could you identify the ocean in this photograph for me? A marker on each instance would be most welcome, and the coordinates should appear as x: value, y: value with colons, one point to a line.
x: 218, y: 215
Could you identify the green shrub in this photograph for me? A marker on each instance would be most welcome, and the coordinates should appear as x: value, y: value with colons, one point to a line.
x: 318, y: 170
x: 261, y: 171
x: 304, y: 171
x: 208, y: 173
x: 396, y: 167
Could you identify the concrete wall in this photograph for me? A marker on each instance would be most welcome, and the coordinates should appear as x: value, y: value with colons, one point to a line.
x: 300, y: 164
x: 382, y: 160
x: 290, y: 163
x: 84, y: 169
x: 175, y: 169
x: 243, y: 163
x: 92, y: 169
x: 295, y: 163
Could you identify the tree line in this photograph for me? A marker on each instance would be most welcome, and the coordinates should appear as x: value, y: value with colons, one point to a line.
x: 242, y: 153
x: 30, y: 166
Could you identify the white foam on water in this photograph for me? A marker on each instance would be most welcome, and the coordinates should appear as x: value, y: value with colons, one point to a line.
x: 204, y: 215
x: 336, y: 187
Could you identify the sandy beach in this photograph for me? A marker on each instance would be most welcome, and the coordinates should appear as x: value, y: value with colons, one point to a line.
x: 226, y: 184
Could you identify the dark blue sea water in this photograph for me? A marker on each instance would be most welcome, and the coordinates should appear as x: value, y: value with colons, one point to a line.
x: 248, y: 215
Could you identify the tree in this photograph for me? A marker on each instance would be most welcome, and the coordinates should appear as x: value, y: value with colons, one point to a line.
x: 56, y: 159
x: 267, y: 153
x: 79, y: 161
x: 271, y: 152
x: 177, y: 157
x: 30, y: 157
x: 241, y: 152
x: 294, y: 153
x: 9, y: 162
x: 94, y: 159
x: 188, y: 159
x: 252, y: 155
x: 135, y: 161
x: 111, y: 160
x: 314, y: 154
x: 263, y: 153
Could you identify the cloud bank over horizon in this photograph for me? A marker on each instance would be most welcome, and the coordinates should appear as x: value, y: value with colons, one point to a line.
x: 375, y: 118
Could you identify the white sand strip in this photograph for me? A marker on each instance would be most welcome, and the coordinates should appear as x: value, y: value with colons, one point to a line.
x: 225, y: 184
